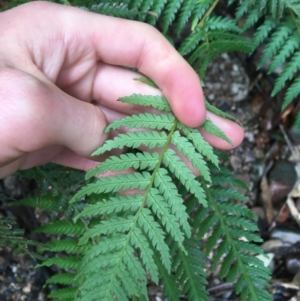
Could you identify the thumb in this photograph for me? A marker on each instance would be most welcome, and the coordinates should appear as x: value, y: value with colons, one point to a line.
x: 36, y: 114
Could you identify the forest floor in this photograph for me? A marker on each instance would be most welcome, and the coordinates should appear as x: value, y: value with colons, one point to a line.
x: 268, y: 161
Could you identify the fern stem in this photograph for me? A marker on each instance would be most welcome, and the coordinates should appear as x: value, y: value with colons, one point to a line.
x: 209, y: 11
x: 228, y: 237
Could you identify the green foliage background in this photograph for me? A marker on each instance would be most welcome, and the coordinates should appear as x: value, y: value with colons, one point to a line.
x: 109, y: 245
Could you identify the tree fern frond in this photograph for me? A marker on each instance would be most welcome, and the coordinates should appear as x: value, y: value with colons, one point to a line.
x: 156, y: 236
x: 170, y: 286
x: 147, y: 120
x: 289, y: 47
x: 278, y: 39
x: 217, y: 111
x: 139, y: 241
x: 210, y: 128
x: 63, y: 294
x: 156, y: 10
x: 144, y: 8
x: 115, y: 204
x: 157, y: 102
x: 63, y: 278
x: 170, y: 11
x: 264, y: 30
x: 184, y: 14
x: 124, y: 162
x: 191, y: 42
x: 292, y: 92
x: 113, y: 225
x: 162, y: 211
x: 65, y: 227
x: 218, y: 23
x: 46, y: 202
x: 115, y: 10
x: 189, y: 271
x: 175, y: 206
x: 134, y: 140
x: 70, y: 246
x: 115, y: 183
x: 288, y: 73
x: 201, y: 145
x: 188, y: 151
x: 66, y: 263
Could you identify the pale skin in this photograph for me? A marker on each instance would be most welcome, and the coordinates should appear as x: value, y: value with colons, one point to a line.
x: 60, y: 78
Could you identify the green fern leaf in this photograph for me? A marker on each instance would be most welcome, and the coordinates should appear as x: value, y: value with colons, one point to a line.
x: 113, y: 225
x: 288, y: 73
x: 264, y: 30
x: 70, y: 246
x: 66, y: 263
x: 292, y: 92
x: 156, y: 10
x: 289, y: 47
x: 210, y: 128
x: 134, y: 140
x: 170, y: 285
x: 63, y: 294
x: 157, y: 102
x: 147, y: 120
x: 191, y: 42
x: 170, y: 12
x: 64, y: 278
x: 139, y: 241
x: 115, y: 204
x: 124, y: 162
x: 156, y: 235
x: 115, y: 183
x: 62, y: 228
x: 278, y: 39
x: 190, y: 271
x: 184, y: 14
x: 162, y: 211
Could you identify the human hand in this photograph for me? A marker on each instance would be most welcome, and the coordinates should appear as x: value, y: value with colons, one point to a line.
x: 61, y: 76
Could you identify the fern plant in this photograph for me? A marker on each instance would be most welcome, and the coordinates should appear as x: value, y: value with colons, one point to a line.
x: 168, y: 225
x: 279, y: 20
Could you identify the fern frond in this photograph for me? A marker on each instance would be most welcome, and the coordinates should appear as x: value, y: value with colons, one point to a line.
x: 157, y: 102
x: 156, y: 10
x: 264, y: 30
x: 116, y: 204
x: 184, y: 14
x: 292, y: 92
x: 124, y: 162
x: 189, y: 271
x: 288, y: 73
x: 115, y: 10
x: 63, y: 278
x: 147, y: 120
x: 62, y: 228
x: 278, y: 39
x: 114, y: 184
x: 66, y: 263
x: 134, y: 140
x: 289, y: 47
x: 170, y: 11
x: 63, y: 294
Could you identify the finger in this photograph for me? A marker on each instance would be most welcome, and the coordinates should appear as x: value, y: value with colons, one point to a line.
x: 45, y: 116
x: 112, y: 82
x: 118, y: 42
